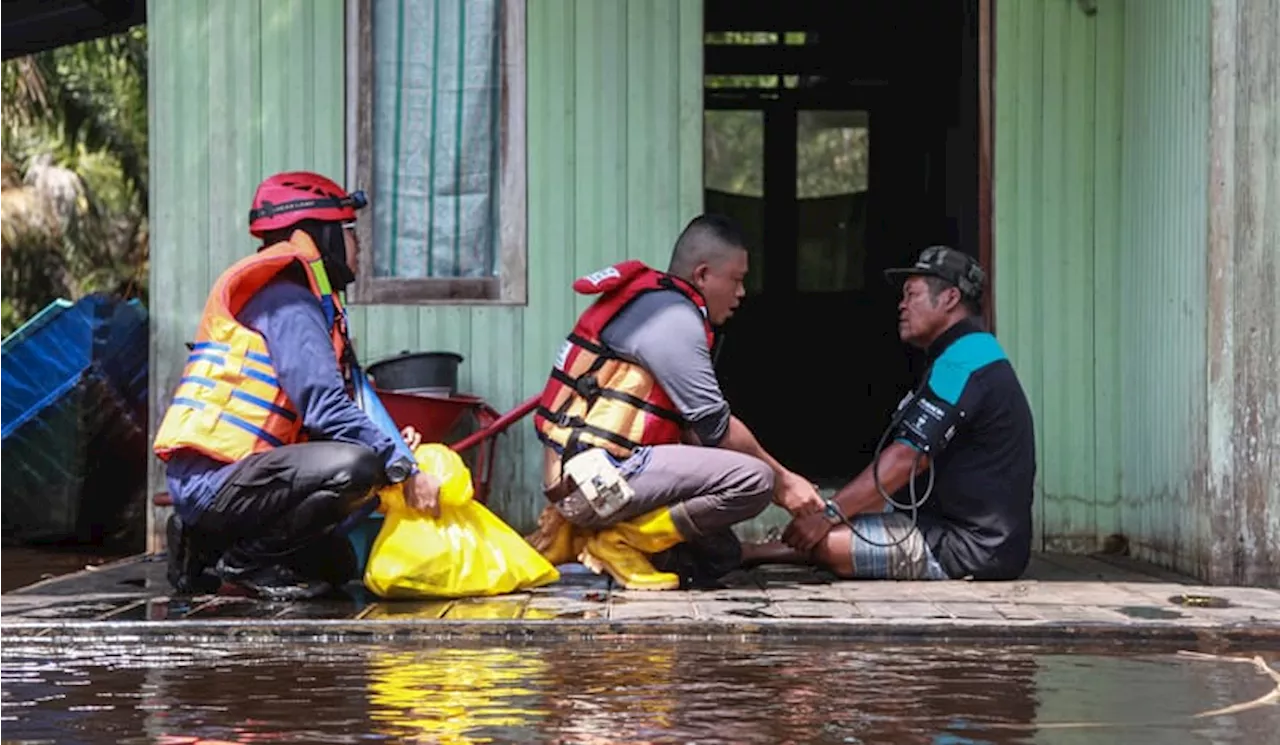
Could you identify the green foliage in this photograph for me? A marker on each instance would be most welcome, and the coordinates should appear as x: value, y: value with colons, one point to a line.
x: 832, y: 150
x: 832, y: 147
x: 75, y: 174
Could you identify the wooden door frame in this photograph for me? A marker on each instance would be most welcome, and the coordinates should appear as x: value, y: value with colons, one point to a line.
x: 986, y: 176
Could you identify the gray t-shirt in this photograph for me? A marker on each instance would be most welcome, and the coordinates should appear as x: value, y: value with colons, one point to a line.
x: 664, y: 332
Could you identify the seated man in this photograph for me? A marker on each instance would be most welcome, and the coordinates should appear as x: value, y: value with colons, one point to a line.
x: 635, y: 382
x: 266, y: 451
x: 969, y: 423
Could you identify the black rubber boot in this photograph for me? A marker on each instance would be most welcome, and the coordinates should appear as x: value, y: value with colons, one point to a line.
x: 186, y: 565
x: 330, y: 558
x: 278, y: 582
x: 700, y: 564
x: 299, y: 557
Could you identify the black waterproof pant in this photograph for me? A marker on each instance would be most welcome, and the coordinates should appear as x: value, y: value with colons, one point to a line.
x: 278, y: 505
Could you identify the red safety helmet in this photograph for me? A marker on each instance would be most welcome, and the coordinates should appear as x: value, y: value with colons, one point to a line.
x: 286, y: 198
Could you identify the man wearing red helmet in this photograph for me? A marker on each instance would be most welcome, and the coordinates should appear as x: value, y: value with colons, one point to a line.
x: 266, y: 450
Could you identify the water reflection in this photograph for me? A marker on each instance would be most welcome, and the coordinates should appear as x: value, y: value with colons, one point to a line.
x: 636, y: 691
x: 455, y: 695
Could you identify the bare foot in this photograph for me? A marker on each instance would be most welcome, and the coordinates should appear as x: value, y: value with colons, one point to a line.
x: 771, y: 552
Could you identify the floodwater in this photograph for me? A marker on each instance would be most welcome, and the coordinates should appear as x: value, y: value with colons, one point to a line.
x: 24, y: 565
x: 631, y: 691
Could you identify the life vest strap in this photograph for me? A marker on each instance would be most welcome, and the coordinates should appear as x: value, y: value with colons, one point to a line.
x: 597, y: 349
x: 578, y: 426
x: 587, y: 387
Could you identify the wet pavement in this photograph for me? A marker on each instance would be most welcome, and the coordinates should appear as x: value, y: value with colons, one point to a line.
x: 1061, y: 597
x: 25, y: 565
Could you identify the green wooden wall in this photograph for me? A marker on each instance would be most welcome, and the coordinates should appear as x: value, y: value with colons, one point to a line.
x: 1100, y: 233
x: 614, y: 133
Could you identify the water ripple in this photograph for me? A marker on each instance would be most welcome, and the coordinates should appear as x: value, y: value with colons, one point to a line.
x: 649, y: 691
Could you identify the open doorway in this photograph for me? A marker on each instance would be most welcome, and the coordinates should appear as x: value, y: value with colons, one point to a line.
x: 845, y: 138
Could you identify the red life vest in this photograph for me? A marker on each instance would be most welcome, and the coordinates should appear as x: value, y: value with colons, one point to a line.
x: 593, y: 397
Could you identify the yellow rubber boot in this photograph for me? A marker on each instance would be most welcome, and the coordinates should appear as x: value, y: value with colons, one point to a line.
x: 567, y: 543
x: 558, y: 540
x: 623, y: 551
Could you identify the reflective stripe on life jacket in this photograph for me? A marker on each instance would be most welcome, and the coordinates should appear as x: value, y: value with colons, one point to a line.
x: 593, y: 397
x: 229, y: 403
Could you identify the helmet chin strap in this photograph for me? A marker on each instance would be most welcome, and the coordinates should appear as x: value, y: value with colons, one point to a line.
x: 333, y: 249
x: 340, y: 275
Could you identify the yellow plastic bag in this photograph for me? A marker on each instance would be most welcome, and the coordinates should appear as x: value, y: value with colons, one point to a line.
x: 466, y: 552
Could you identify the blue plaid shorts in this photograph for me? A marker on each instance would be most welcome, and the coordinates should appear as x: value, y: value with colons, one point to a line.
x: 910, y: 558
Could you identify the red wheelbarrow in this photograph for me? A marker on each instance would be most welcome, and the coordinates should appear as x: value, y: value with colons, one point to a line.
x: 435, y: 417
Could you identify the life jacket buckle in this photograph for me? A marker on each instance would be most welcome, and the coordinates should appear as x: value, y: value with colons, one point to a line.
x: 587, y: 386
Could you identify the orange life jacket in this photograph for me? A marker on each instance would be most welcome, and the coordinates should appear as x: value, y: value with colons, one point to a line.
x: 594, y: 398
x: 229, y: 403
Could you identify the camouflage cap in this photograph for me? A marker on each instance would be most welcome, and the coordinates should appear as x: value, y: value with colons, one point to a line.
x: 956, y: 267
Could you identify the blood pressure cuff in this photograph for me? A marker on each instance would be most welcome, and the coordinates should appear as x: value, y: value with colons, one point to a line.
x: 926, y: 422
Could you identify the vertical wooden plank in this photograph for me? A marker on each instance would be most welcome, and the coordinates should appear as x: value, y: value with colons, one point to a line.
x: 327, y: 85
x: 193, y: 175
x: 229, y: 109
x: 600, y: 214
x: 986, y: 27
x: 639, y: 79
x: 298, y: 41
x: 587, y: 82
x: 275, y: 22
x: 447, y: 329
x: 664, y: 224
x: 165, y: 328
x: 244, y: 65
x: 1009, y: 251
x: 288, y: 129
x: 514, y: 195
x: 553, y: 164
x: 652, y: 131
x: 689, y: 71
x: 498, y: 333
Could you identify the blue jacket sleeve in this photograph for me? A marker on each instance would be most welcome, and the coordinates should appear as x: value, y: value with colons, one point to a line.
x: 292, y: 322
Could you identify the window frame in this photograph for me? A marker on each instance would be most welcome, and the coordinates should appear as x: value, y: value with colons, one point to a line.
x: 510, y: 286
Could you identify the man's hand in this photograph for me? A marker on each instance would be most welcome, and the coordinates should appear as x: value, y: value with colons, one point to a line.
x: 798, y: 496
x: 422, y: 493
x: 411, y: 436
x: 804, y: 533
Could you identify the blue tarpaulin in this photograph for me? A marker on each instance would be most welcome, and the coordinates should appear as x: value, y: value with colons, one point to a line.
x: 73, y: 388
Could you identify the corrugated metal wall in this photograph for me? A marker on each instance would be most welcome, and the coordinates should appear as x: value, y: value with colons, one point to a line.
x: 1164, y: 244
x: 1100, y: 230
x: 1056, y: 214
x: 614, y: 138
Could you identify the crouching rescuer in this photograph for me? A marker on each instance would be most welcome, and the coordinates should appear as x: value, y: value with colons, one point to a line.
x: 645, y: 467
x: 266, y: 451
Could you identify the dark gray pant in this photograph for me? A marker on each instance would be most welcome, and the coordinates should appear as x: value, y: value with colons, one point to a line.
x: 708, y: 489
x: 277, y: 503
